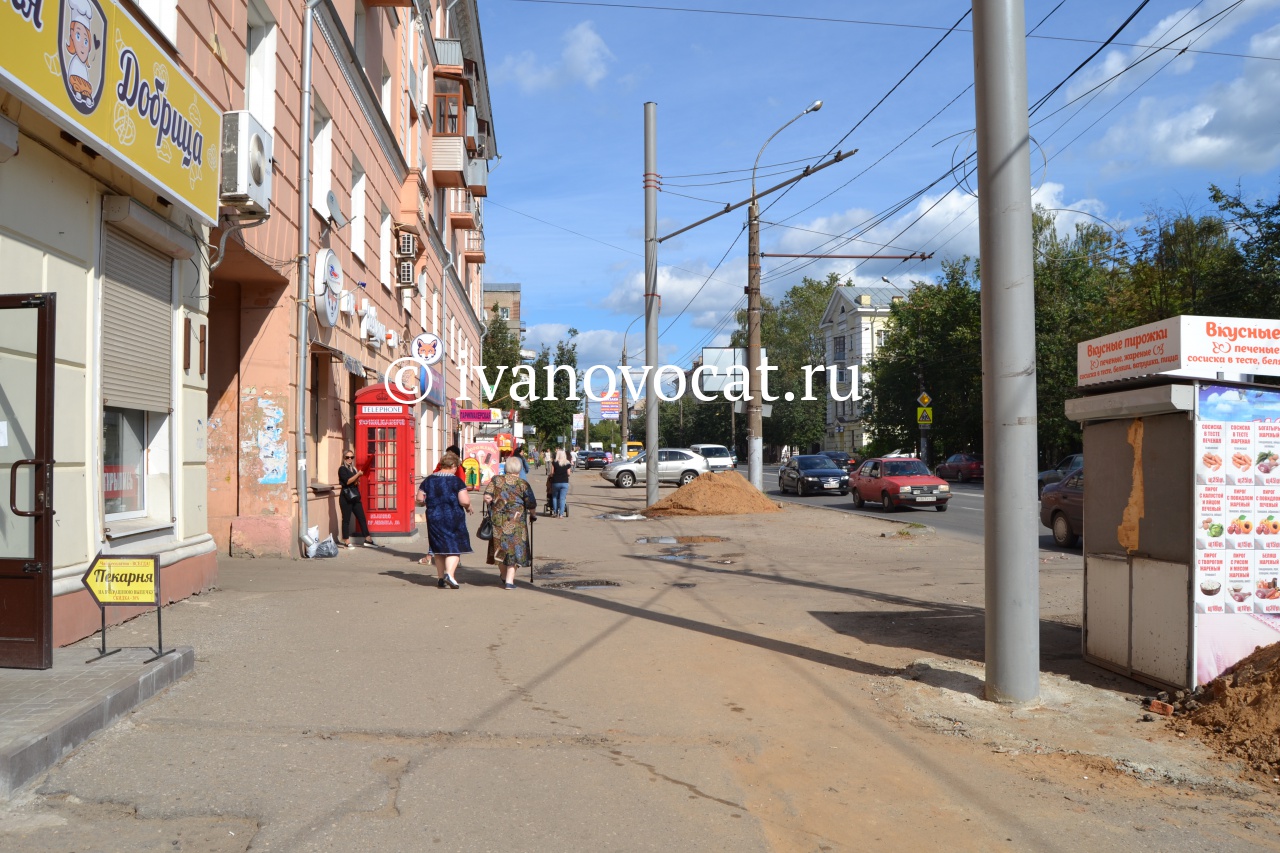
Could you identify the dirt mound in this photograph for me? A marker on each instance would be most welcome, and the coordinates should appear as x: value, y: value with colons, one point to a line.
x: 725, y: 493
x: 1238, y: 713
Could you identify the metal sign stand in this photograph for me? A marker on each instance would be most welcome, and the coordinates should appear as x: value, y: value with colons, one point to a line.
x: 126, y: 581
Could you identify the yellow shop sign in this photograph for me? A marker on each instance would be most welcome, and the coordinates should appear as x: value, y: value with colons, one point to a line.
x: 90, y: 68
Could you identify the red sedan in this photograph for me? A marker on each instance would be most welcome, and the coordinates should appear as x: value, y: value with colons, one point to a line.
x: 961, y: 467
x: 898, y: 481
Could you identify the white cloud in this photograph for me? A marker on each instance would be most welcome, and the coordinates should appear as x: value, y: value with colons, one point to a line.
x: 1229, y: 126
x: 584, y: 60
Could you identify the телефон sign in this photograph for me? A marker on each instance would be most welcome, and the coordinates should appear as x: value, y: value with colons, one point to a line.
x: 88, y: 66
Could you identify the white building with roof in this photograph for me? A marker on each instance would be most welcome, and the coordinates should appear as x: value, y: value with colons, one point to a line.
x: 853, y: 327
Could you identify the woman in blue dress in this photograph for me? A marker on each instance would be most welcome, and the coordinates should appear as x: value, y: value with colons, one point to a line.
x: 447, y: 503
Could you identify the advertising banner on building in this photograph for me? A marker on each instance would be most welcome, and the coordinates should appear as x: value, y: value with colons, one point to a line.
x: 1237, y: 525
x: 477, y: 416
x: 91, y: 69
x: 480, y: 463
x: 1196, y: 347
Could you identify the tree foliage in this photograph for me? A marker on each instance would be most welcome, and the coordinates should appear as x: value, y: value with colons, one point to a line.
x: 500, y: 349
x: 551, y: 414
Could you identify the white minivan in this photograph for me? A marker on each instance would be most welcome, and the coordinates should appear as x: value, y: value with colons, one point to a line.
x: 717, y: 455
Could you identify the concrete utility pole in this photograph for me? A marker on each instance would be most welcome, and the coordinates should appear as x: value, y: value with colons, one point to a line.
x: 1008, y: 351
x: 651, y: 302
x: 755, y: 420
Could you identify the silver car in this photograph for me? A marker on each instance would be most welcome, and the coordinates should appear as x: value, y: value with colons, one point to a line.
x: 717, y: 455
x: 675, y: 465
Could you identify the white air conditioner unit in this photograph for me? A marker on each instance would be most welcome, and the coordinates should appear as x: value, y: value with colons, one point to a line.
x: 246, y: 163
x: 407, y: 245
x: 406, y: 273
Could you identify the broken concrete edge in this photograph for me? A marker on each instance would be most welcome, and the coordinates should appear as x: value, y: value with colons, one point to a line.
x: 26, y: 760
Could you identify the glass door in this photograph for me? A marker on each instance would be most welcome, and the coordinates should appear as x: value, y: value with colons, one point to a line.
x: 26, y: 480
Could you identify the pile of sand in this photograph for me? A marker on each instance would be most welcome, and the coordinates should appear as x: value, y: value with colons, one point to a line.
x: 1238, y: 713
x: 725, y: 493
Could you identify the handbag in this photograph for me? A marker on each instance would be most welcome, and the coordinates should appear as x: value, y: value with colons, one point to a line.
x: 485, y: 530
x: 351, y: 493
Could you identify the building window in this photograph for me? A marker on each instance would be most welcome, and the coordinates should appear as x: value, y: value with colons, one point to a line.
x: 504, y: 313
x: 164, y: 14
x: 448, y: 109
x: 260, y: 75
x: 880, y: 334
x: 384, y: 249
x: 321, y: 158
x: 124, y: 463
x: 386, y: 92
x: 360, y: 33
x: 839, y: 348
x: 358, y: 191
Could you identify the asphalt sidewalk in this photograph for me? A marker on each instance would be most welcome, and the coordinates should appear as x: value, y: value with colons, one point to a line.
x: 792, y: 681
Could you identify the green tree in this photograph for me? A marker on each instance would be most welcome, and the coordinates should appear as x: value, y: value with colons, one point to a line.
x: 1258, y: 290
x: 551, y: 413
x: 500, y: 354
x: 791, y: 335
x: 932, y: 344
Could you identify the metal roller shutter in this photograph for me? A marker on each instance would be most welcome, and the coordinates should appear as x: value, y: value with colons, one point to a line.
x: 137, y: 325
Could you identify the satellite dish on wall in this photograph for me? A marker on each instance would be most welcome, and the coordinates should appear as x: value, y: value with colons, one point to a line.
x: 335, y: 213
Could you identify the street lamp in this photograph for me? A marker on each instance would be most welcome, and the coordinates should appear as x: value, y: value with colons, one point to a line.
x: 755, y: 426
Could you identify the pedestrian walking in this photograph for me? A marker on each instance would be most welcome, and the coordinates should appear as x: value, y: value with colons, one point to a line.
x: 524, y: 463
x: 447, y: 503
x: 510, y: 503
x: 350, y: 503
x: 561, y: 466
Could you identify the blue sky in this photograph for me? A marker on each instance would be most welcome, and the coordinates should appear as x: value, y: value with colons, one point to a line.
x: 568, y: 81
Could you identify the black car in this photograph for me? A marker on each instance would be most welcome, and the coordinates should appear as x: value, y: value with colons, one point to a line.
x: 844, y: 460
x: 592, y: 459
x: 1062, y: 508
x: 817, y: 473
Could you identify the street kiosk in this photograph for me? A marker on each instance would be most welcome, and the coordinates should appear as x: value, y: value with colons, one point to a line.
x: 1182, y: 503
x: 385, y: 452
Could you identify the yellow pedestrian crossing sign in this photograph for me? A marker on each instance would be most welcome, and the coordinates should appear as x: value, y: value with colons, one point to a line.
x: 924, y: 415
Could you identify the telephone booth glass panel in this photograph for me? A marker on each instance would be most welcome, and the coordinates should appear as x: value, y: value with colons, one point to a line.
x: 385, y: 452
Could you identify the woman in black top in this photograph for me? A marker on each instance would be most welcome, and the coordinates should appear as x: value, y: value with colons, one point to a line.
x: 349, y: 500
x: 560, y: 468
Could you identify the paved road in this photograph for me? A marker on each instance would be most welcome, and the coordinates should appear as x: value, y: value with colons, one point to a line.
x: 963, y: 519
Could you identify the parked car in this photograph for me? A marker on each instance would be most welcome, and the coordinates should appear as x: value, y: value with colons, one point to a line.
x: 1062, y: 509
x: 1059, y: 472
x: 961, y: 467
x: 898, y: 481
x: 592, y: 459
x: 717, y: 455
x: 675, y: 465
x: 817, y: 473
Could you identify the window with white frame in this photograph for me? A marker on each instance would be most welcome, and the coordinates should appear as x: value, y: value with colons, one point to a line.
x: 260, y: 73
x: 359, y: 188
x: 164, y: 14
x: 504, y: 313
x: 384, y: 249
x: 321, y: 157
x: 360, y: 32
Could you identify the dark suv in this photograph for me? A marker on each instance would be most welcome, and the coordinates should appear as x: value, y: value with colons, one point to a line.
x: 844, y: 460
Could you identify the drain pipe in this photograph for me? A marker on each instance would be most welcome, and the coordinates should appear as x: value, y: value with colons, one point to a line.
x: 304, y: 269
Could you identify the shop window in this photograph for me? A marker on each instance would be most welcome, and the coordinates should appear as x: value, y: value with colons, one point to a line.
x: 135, y: 465
x: 260, y: 75
x: 321, y: 157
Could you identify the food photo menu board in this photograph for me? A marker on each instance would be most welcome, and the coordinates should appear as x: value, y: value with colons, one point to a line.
x: 1237, y: 525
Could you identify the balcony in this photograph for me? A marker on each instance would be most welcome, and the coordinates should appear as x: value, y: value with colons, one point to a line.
x: 477, y: 176
x: 463, y: 209
x: 449, y: 54
x: 449, y: 162
x: 473, y: 246
x: 412, y: 212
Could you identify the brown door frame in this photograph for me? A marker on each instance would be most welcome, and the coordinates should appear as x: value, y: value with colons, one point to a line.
x: 34, y: 648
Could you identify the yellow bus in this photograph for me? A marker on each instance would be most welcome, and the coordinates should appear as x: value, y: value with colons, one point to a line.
x: 634, y: 448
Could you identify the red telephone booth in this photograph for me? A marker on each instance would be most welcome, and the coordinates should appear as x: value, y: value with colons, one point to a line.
x: 384, y: 451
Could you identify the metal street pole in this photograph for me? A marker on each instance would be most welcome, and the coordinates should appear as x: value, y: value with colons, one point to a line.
x: 625, y: 413
x: 651, y: 302
x: 755, y: 421
x: 1008, y: 351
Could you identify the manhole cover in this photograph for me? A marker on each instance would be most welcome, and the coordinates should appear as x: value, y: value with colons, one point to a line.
x: 580, y: 584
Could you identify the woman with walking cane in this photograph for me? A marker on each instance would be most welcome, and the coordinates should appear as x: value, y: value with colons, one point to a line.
x: 509, y: 500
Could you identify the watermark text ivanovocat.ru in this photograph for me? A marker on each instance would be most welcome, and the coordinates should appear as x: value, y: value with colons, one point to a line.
x: 409, y: 382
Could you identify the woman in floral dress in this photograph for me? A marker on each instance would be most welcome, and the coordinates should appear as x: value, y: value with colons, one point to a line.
x: 510, y: 501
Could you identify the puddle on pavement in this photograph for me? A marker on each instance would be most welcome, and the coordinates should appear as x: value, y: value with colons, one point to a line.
x: 679, y: 540
x: 618, y: 516
x: 590, y: 584
x: 684, y: 585
x: 677, y: 557
x: 551, y: 567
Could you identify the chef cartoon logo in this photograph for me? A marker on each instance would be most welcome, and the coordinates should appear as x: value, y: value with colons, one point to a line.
x: 81, y: 27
